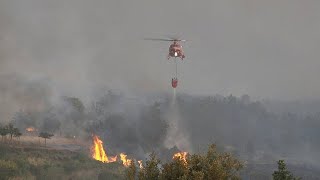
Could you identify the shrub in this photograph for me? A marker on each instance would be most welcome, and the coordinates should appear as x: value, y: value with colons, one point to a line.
x: 8, y: 169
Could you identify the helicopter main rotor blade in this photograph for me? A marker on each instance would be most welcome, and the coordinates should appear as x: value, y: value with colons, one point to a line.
x: 159, y: 39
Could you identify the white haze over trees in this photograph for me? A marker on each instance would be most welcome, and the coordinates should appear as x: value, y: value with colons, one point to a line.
x: 58, y: 59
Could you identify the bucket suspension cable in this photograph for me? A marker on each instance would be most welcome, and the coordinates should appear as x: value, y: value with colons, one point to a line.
x: 174, y: 81
x: 175, y: 61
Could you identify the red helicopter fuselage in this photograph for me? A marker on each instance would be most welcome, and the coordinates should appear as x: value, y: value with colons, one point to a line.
x: 175, y: 50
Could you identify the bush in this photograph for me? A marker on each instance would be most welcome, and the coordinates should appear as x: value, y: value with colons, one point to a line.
x: 8, y: 169
x: 212, y: 165
x: 151, y: 169
x: 80, y: 157
x: 177, y: 169
x: 23, y: 165
x: 283, y: 173
x: 131, y: 171
x: 69, y: 167
x: 108, y: 175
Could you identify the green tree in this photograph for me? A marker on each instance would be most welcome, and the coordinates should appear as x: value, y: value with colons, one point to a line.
x: 283, y: 173
x: 175, y: 170
x: 76, y: 103
x: 213, y: 165
x: 151, y: 170
x: 17, y: 133
x: 131, y: 171
x: 196, y: 167
x: 3, y: 132
x: 23, y: 119
x: 75, y: 116
x: 50, y: 122
x: 46, y: 136
x: 12, y: 130
x: 155, y: 134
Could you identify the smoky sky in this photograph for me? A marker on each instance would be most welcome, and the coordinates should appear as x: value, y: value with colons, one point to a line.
x: 264, y: 48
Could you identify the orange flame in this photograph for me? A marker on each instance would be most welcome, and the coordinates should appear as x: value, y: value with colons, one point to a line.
x: 140, y: 164
x: 126, y: 162
x: 182, y: 156
x: 98, y: 153
x: 30, y: 129
x: 113, y: 158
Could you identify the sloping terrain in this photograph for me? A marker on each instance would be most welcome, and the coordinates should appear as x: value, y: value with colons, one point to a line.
x: 20, y: 161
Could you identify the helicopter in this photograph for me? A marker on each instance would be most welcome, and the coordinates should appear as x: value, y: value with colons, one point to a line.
x: 175, y: 50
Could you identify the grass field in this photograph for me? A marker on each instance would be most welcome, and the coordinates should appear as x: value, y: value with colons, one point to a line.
x: 61, y: 159
x: 69, y: 159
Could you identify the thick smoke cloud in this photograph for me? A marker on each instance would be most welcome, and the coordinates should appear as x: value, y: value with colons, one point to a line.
x: 261, y: 48
x: 77, y: 48
x: 265, y: 49
x: 139, y: 125
x: 248, y: 129
x: 21, y: 93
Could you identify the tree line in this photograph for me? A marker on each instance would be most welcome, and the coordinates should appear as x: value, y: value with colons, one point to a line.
x: 14, y: 132
x: 212, y: 165
x: 9, y: 130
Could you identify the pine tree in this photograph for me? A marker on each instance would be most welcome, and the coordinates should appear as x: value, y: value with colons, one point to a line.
x: 283, y: 173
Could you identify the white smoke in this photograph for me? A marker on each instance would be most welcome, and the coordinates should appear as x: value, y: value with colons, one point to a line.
x: 177, y: 135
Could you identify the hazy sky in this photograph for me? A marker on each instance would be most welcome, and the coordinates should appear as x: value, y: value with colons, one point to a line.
x: 264, y: 48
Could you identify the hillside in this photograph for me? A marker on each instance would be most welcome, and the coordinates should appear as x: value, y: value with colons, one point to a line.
x: 20, y: 161
x: 60, y: 160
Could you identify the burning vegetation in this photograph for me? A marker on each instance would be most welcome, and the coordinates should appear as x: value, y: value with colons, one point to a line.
x: 212, y: 165
x: 98, y: 152
x: 126, y: 162
x: 182, y: 156
x: 140, y: 164
x: 30, y: 129
x: 147, y: 133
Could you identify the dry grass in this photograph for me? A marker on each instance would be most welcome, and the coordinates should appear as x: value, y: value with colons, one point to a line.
x: 59, y: 143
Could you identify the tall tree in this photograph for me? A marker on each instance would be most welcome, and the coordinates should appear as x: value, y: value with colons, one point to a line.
x: 17, y: 133
x: 22, y: 119
x: 283, y: 173
x: 177, y: 169
x: 3, y: 132
x: 76, y: 103
x: 214, y: 165
x: 131, y: 171
x: 50, y: 122
x: 11, y: 130
x: 151, y: 169
x: 153, y: 127
x: 46, y: 136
